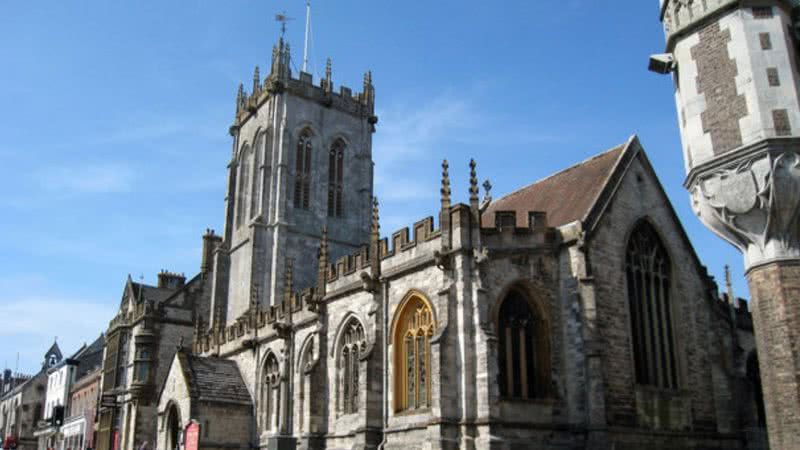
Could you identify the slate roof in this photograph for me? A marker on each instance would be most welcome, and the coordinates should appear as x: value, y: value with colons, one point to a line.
x: 565, y: 196
x: 153, y: 293
x: 214, y: 379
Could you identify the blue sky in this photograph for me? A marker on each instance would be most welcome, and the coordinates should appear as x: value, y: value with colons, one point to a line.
x: 114, y: 118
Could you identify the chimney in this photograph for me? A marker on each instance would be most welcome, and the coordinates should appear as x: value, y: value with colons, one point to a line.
x: 210, y: 244
x: 169, y: 280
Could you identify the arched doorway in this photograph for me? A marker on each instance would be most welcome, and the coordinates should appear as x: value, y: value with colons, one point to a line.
x: 174, y: 429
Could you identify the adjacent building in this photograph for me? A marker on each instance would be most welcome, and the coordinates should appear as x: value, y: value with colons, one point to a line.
x: 22, y: 404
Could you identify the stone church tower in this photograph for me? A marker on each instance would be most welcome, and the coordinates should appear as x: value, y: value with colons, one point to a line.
x: 301, y: 163
x: 735, y: 67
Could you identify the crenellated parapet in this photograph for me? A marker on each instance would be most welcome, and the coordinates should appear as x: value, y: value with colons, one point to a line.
x: 280, y: 80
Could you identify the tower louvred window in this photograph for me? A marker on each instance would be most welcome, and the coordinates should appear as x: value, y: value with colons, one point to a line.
x: 648, y: 277
x: 336, y: 178
x: 302, y: 183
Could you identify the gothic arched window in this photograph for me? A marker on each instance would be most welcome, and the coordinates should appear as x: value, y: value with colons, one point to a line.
x: 336, y: 178
x: 523, y: 350
x: 241, y: 192
x: 268, y: 142
x: 255, y: 188
x: 649, y: 291
x: 302, y: 182
x: 270, y: 393
x: 413, y: 330
x: 353, y: 344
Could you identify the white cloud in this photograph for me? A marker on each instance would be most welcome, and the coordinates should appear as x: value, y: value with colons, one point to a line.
x: 34, y: 314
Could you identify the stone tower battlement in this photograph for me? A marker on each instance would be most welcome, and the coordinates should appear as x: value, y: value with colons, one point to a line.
x: 280, y: 79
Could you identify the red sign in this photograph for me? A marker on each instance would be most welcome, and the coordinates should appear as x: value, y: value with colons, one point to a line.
x: 115, y: 440
x: 191, y: 437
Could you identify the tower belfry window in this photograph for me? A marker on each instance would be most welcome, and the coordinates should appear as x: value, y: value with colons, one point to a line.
x: 302, y: 182
x: 649, y: 291
x: 336, y: 178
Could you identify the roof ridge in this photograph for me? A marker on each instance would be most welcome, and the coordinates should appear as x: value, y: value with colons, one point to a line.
x: 565, y: 170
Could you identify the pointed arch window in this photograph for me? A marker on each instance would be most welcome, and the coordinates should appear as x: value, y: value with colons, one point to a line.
x: 267, y: 173
x: 302, y: 182
x: 255, y: 188
x: 353, y: 345
x: 648, y: 272
x: 413, y: 330
x: 523, y: 350
x: 270, y: 393
x: 241, y: 191
x: 336, y: 178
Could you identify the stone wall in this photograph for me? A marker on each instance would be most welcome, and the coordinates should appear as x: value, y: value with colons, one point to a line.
x: 691, y: 407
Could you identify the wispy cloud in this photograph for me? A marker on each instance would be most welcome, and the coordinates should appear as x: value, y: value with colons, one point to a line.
x: 87, y: 178
x: 37, y: 313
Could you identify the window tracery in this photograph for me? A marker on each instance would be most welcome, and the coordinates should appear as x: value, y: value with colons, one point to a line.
x: 353, y: 346
x: 270, y: 393
x: 302, y: 182
x: 523, y: 350
x: 413, y: 331
x: 336, y: 178
x: 648, y: 272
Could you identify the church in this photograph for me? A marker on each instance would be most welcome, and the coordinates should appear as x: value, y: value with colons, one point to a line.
x: 572, y: 313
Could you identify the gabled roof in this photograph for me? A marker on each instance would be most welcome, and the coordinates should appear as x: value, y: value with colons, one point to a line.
x: 565, y: 196
x: 213, y: 379
x: 144, y: 292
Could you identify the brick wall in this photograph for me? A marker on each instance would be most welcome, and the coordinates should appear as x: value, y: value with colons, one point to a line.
x: 775, y: 289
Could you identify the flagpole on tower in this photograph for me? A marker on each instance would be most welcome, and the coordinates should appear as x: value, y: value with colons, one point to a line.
x: 308, y: 29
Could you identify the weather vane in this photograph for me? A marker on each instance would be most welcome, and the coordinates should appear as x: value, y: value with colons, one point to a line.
x: 283, y: 18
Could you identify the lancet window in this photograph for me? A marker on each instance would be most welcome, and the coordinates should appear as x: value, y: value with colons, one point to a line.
x: 244, y: 184
x: 353, y: 346
x: 336, y: 178
x: 270, y: 393
x: 302, y: 182
x: 523, y: 350
x: 413, y: 330
x: 255, y: 187
x: 649, y: 293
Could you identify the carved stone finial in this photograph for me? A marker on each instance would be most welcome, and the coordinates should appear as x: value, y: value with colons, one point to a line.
x: 487, y: 196
x: 729, y: 285
x: 445, y: 191
x: 239, y: 98
x: 374, y: 241
x: 322, y: 271
x: 327, y: 82
x: 256, y: 82
x: 287, y: 287
x: 473, y: 185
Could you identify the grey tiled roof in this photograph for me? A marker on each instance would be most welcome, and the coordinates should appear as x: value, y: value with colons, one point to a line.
x: 214, y: 379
